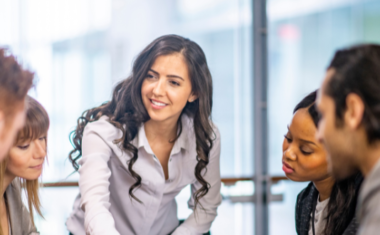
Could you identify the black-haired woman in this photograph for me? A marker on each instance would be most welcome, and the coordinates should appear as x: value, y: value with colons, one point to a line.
x: 153, y: 138
x: 324, y: 207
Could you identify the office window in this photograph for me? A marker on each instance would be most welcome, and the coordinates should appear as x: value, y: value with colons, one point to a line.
x: 81, y: 49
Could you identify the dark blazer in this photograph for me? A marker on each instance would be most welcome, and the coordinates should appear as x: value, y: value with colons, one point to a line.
x: 304, y: 208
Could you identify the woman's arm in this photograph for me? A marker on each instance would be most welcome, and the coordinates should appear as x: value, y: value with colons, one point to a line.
x: 94, y: 174
x: 201, y: 222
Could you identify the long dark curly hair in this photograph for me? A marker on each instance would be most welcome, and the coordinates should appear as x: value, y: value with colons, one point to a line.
x: 127, y: 112
x: 342, y: 204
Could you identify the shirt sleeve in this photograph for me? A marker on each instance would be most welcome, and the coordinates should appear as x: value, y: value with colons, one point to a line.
x: 94, y: 178
x: 201, y: 222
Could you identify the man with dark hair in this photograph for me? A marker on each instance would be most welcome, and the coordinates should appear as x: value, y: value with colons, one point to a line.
x: 349, y: 104
x: 14, y: 85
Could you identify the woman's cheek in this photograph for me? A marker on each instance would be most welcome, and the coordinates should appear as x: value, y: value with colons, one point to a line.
x: 17, y: 160
x: 314, y: 164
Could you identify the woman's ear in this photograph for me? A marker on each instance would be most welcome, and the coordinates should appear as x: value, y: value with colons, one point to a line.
x: 192, y: 97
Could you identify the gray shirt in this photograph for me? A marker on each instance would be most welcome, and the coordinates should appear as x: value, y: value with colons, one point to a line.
x: 368, y: 210
x: 320, y: 217
x: 20, y: 221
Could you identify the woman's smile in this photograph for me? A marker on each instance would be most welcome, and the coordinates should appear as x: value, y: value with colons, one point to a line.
x: 157, y: 104
x: 37, y: 167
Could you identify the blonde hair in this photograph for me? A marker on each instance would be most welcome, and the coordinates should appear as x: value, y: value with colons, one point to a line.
x: 36, y: 124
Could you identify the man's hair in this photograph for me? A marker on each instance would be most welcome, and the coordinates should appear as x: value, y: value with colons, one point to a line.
x: 357, y: 70
x: 15, y: 82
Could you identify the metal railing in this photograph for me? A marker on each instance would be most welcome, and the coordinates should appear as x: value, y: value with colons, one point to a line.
x: 226, y: 181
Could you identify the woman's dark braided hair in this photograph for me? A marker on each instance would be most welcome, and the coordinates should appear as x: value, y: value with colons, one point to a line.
x: 126, y: 110
x: 342, y: 203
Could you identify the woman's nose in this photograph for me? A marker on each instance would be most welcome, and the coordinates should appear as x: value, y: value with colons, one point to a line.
x: 40, y: 149
x: 159, y: 88
x: 289, y: 154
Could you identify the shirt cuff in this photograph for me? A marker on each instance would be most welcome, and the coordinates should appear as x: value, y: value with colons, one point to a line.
x: 102, y: 224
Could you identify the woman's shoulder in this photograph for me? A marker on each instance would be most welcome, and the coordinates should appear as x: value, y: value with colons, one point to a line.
x: 306, y: 192
x: 304, y: 207
x: 103, y: 128
x: 188, y: 122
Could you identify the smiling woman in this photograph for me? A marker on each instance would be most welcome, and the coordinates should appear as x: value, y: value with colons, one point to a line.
x: 21, y: 170
x: 324, y: 206
x: 152, y: 139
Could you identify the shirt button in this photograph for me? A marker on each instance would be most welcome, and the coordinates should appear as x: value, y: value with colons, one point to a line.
x: 170, y: 159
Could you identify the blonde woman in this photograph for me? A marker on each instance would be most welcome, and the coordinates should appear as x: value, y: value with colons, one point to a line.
x: 21, y: 170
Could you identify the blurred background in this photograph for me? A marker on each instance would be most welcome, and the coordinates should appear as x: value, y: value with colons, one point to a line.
x: 79, y: 50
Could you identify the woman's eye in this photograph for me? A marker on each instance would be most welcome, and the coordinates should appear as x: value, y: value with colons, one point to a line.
x: 149, y: 76
x: 287, y: 138
x: 306, y: 152
x: 174, y: 83
x: 42, y: 138
x: 23, y: 147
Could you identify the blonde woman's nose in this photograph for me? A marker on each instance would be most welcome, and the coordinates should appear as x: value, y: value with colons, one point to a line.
x: 39, y: 149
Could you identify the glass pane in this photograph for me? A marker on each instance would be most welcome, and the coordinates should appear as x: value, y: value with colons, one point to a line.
x: 302, y: 40
x: 80, y: 49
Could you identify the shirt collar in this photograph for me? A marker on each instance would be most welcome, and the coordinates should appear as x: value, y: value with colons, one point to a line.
x: 181, y: 143
x: 183, y: 140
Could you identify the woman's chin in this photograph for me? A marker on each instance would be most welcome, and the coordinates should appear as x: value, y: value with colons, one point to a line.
x: 31, y: 177
x: 294, y: 177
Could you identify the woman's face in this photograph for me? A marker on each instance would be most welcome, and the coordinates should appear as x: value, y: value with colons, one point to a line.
x: 304, y: 158
x: 167, y: 88
x: 26, y: 159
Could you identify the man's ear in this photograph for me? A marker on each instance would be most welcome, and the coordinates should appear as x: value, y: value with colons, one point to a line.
x: 192, y: 97
x: 353, y: 115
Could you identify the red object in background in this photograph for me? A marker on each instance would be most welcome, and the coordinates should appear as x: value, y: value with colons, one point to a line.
x: 289, y: 32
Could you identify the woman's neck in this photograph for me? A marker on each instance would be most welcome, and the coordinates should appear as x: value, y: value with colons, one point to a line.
x: 162, y: 131
x: 324, y: 187
x: 8, y: 178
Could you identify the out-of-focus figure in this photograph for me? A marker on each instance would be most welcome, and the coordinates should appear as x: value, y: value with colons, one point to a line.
x: 349, y: 127
x: 14, y: 85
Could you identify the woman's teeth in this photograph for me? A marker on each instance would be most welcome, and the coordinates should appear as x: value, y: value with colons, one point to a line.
x: 158, y: 103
